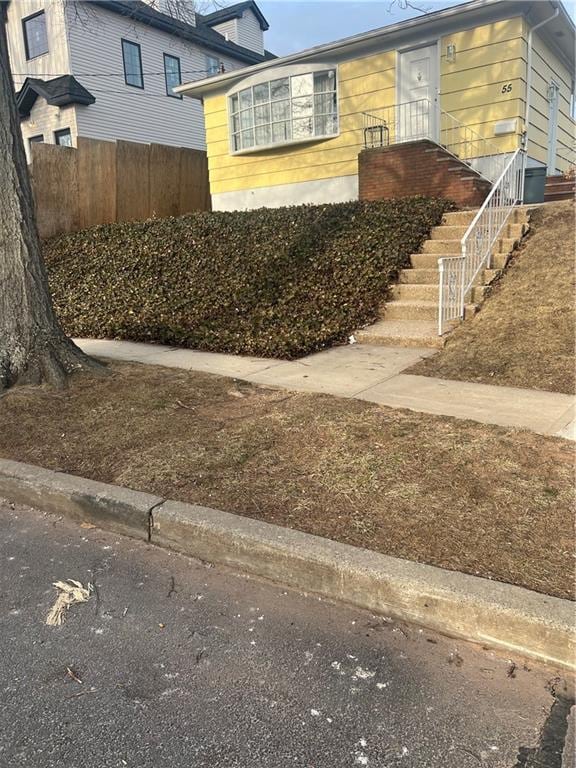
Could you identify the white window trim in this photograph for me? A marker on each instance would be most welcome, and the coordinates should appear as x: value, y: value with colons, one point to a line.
x: 275, y: 74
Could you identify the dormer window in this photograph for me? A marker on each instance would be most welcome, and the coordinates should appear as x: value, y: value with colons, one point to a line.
x: 292, y: 108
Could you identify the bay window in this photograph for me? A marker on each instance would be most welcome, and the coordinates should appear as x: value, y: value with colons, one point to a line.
x: 296, y: 107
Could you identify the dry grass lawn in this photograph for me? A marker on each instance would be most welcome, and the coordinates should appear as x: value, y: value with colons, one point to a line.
x: 524, y: 334
x: 456, y: 494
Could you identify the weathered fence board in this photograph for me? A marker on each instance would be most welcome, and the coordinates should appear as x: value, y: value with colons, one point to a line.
x: 194, y: 185
x: 96, y: 182
x: 103, y: 181
x: 132, y: 181
x: 165, y: 165
x: 55, y: 186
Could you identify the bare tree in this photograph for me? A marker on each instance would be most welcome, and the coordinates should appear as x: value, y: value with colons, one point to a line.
x: 33, y: 347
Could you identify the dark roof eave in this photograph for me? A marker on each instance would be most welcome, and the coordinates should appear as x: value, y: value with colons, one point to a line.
x: 151, y: 17
x: 235, y: 12
x: 59, y: 92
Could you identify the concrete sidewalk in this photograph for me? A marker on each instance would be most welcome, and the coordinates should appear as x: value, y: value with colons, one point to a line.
x: 367, y: 373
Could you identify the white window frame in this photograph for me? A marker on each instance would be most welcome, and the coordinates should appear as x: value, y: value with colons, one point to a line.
x: 276, y: 74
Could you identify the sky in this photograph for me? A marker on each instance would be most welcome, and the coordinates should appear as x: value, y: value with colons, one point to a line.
x: 300, y: 24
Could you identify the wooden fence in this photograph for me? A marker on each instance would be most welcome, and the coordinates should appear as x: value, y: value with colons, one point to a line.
x: 104, y: 181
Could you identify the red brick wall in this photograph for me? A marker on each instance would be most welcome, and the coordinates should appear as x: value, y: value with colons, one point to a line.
x: 418, y: 168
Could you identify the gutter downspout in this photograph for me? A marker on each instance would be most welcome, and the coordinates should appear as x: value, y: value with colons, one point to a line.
x: 529, y: 87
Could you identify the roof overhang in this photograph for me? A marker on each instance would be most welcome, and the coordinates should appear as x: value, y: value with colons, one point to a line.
x: 412, y: 31
x: 59, y: 92
x: 203, y: 35
x: 235, y: 12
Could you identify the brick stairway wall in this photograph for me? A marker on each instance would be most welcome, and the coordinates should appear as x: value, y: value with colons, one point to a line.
x: 418, y: 168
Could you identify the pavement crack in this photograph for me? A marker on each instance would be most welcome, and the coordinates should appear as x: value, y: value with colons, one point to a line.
x: 549, y: 751
x: 151, y: 517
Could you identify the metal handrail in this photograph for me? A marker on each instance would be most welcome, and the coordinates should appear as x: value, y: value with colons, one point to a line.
x: 468, y: 145
x: 422, y: 119
x: 458, y: 273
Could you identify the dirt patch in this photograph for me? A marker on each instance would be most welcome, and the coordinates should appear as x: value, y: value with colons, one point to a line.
x: 523, y: 335
x: 484, y: 500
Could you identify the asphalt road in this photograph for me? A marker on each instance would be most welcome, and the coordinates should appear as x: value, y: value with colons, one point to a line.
x: 173, y: 663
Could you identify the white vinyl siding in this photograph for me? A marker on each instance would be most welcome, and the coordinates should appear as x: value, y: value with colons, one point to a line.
x: 46, y: 120
x: 56, y: 60
x: 250, y: 34
x: 35, y: 35
x: 228, y: 30
x: 244, y: 31
x: 133, y: 114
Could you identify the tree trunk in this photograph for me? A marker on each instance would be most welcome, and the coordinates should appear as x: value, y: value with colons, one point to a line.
x: 33, y: 347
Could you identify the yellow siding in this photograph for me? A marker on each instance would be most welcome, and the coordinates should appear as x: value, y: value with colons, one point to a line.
x: 363, y: 85
x: 546, y: 67
x: 487, y: 59
x: 471, y: 87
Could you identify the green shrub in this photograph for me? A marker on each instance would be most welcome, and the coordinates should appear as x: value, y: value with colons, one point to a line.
x: 277, y: 282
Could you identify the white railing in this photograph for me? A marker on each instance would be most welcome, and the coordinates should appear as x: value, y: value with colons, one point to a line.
x: 465, y: 143
x: 458, y: 273
x: 398, y: 123
x: 423, y: 119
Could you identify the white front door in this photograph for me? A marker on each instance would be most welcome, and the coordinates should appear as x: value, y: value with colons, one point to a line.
x: 553, y: 91
x: 417, y: 94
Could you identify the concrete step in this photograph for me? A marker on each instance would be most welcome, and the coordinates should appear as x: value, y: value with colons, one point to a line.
x: 447, y: 232
x: 416, y: 291
x: 419, y: 292
x: 401, y: 333
x: 560, y: 186
x: 407, y: 309
x: 553, y: 195
x: 461, y: 218
x: 502, y: 245
x: 418, y: 276
x: 553, y: 181
x: 430, y: 260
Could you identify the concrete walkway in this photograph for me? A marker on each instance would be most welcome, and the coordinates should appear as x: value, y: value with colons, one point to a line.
x: 368, y: 373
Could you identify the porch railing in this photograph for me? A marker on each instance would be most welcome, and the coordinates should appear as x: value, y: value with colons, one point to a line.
x: 458, y: 273
x: 423, y: 119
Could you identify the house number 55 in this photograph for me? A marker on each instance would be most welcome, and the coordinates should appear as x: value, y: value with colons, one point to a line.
x: 506, y: 88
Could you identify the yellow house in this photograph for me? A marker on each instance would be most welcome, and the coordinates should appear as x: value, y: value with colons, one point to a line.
x: 479, y: 79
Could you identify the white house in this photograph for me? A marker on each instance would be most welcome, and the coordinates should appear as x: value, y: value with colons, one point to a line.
x: 106, y: 69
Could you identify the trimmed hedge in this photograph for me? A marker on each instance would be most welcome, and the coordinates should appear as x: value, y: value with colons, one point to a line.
x: 278, y: 282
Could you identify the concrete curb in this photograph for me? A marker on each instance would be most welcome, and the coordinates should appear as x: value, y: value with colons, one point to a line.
x: 111, y: 507
x: 494, y: 614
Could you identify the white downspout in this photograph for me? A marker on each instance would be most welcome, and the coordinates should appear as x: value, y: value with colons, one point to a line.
x: 529, y: 86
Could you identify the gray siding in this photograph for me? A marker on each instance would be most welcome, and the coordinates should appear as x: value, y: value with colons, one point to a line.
x: 228, y: 30
x: 250, y: 34
x: 245, y: 31
x: 125, y: 112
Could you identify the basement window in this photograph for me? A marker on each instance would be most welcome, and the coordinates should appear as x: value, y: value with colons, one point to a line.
x: 286, y: 110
